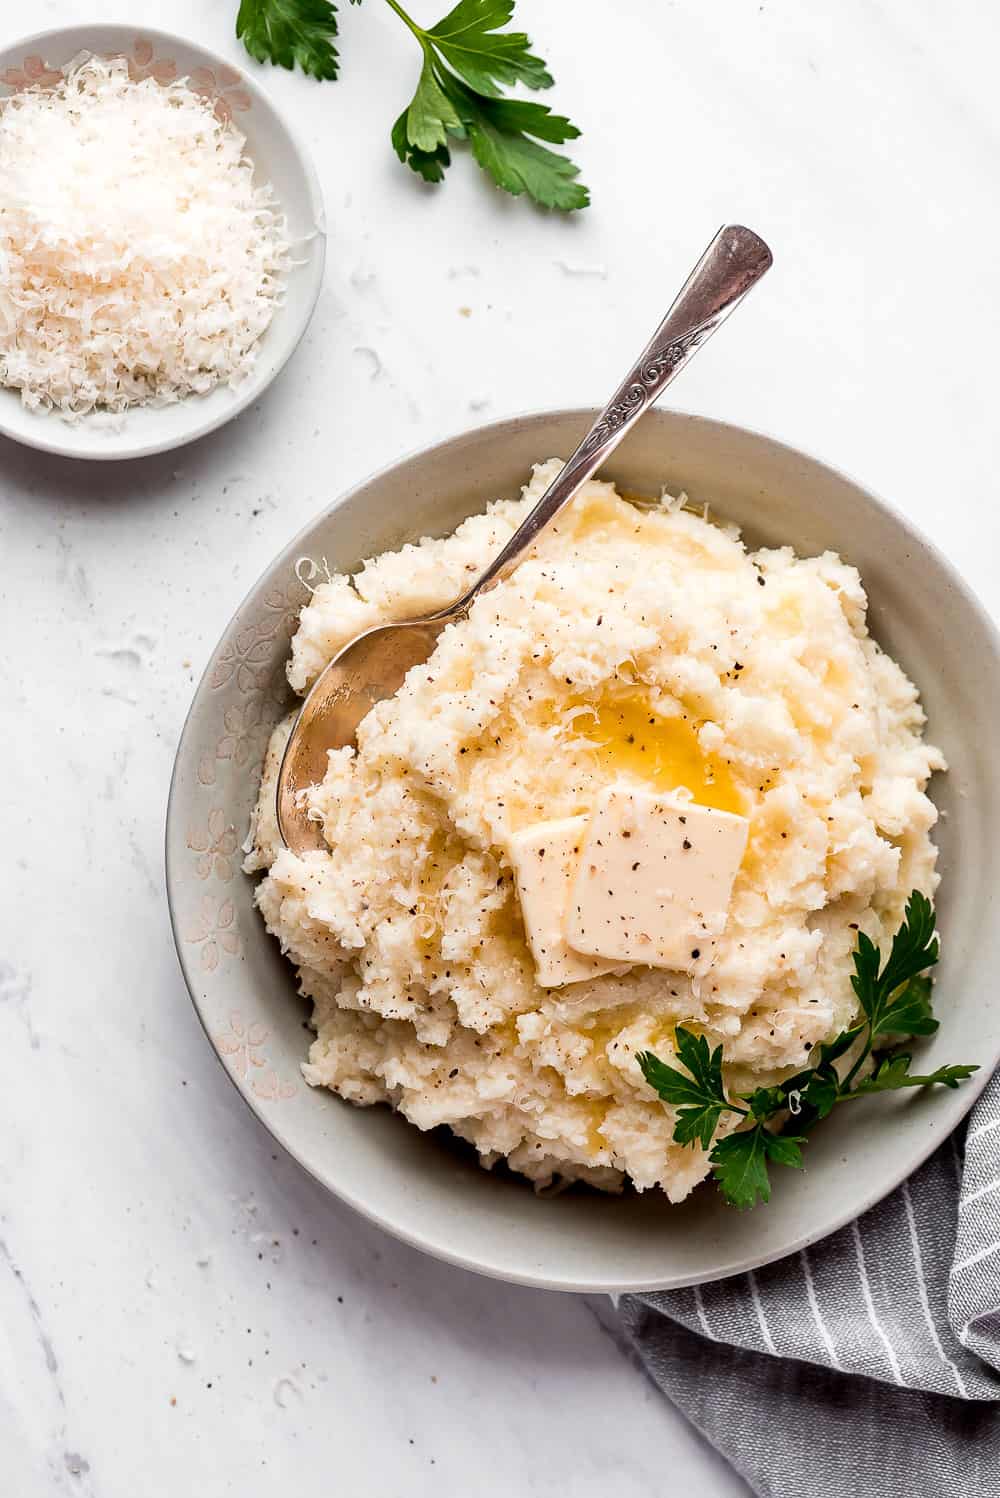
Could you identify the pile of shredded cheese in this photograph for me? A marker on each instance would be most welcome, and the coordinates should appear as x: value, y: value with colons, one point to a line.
x: 139, y: 261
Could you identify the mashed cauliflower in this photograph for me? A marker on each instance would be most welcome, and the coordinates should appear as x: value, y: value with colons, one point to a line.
x: 407, y: 933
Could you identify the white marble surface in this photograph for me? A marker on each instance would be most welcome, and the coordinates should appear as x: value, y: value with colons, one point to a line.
x: 181, y: 1310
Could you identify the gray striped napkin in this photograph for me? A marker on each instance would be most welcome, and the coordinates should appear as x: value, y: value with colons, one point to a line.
x: 868, y: 1364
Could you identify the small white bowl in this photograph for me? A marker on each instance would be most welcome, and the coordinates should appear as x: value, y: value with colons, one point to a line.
x: 278, y: 158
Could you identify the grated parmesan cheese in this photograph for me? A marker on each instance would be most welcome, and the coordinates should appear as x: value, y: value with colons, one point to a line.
x: 139, y: 262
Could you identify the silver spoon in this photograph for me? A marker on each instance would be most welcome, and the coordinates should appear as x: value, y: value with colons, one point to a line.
x: 372, y: 666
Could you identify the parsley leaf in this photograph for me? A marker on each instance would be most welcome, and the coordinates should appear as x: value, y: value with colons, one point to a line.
x: 431, y: 113
x: 467, y: 40
x: 897, y: 999
x: 500, y: 132
x: 290, y: 33
x: 908, y: 1010
x: 427, y: 164
x: 893, y: 1072
x: 739, y: 1163
x: 822, y: 1092
x: 697, y: 1094
x: 420, y: 135
x: 894, y: 1000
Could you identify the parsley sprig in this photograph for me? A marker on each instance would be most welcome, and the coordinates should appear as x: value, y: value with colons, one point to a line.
x: 467, y: 61
x: 895, y: 1000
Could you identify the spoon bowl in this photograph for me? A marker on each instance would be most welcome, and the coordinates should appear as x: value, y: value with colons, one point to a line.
x: 370, y: 668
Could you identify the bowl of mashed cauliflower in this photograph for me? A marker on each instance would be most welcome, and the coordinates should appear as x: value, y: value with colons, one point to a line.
x: 663, y: 775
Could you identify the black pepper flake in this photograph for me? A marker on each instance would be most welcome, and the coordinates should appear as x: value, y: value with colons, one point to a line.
x: 453, y: 1072
x: 686, y: 845
x: 634, y: 867
x: 762, y: 581
x: 696, y: 952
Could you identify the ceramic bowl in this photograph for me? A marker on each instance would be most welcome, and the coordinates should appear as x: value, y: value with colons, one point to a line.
x: 421, y: 1187
x: 278, y: 158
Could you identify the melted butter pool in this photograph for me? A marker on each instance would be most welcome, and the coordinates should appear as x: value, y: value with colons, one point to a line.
x: 629, y: 737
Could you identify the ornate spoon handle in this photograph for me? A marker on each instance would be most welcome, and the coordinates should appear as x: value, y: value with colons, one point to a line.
x: 734, y: 261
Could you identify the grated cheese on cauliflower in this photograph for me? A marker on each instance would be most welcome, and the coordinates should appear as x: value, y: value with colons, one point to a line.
x: 139, y: 261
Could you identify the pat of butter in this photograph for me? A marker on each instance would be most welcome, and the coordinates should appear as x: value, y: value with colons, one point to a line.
x: 654, y: 880
x: 545, y: 858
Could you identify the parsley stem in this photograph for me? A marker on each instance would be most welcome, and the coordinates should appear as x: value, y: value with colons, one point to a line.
x: 418, y: 31
x: 845, y: 1085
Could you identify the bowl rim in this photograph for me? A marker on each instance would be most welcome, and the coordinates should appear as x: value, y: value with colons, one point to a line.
x: 929, y: 1139
x: 251, y: 390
